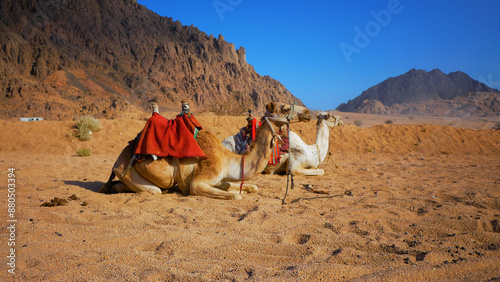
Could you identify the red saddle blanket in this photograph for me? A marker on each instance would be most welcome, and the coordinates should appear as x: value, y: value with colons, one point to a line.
x: 170, y: 137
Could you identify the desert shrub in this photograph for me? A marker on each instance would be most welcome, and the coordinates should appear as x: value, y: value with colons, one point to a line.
x: 83, y: 135
x: 90, y: 123
x: 497, y: 126
x: 389, y: 121
x: 85, y: 126
x: 358, y: 122
x: 424, y: 129
x: 83, y: 152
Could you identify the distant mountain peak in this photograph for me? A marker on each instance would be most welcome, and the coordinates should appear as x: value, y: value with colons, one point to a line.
x: 417, y: 86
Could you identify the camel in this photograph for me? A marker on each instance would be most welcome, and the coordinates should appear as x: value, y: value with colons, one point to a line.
x: 235, y: 143
x: 212, y: 177
x: 305, y: 159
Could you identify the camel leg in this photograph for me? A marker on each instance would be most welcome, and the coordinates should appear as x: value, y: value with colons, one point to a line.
x: 235, y: 187
x: 308, y: 172
x: 271, y: 170
x: 201, y: 188
x: 121, y: 188
x: 280, y: 168
x: 137, y: 183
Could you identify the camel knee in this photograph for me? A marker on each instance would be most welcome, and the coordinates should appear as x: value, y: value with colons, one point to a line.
x: 250, y: 188
x: 121, y: 188
x: 235, y: 187
x: 137, y: 183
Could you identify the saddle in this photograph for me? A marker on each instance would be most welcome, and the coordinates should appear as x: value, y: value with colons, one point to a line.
x: 162, y: 137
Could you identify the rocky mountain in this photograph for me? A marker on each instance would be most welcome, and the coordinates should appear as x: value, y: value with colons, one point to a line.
x: 112, y: 58
x: 422, y: 92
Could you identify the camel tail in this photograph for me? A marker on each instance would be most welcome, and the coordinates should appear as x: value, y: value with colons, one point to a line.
x: 105, y: 189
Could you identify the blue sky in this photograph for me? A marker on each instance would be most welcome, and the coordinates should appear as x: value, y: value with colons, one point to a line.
x: 328, y: 52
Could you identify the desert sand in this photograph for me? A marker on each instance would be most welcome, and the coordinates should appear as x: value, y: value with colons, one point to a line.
x: 410, y: 201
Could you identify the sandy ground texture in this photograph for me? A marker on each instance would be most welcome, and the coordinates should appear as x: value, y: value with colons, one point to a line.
x: 401, y: 202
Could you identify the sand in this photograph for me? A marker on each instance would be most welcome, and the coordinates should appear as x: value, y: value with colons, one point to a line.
x: 408, y: 201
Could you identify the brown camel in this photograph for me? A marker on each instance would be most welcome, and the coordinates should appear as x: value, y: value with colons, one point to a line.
x: 214, y: 176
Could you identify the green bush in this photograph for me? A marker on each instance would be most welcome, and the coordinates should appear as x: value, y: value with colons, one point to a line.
x: 389, y: 121
x: 83, y: 152
x: 86, y: 126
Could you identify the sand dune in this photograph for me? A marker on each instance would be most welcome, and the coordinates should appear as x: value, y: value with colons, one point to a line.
x: 404, y: 202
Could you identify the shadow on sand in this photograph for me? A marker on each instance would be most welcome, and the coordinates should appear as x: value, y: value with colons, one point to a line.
x: 93, y: 186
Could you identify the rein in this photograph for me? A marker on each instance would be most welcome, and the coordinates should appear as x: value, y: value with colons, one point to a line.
x: 242, y: 172
x: 289, y: 177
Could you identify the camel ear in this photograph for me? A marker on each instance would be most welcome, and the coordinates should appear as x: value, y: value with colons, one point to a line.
x: 271, y: 107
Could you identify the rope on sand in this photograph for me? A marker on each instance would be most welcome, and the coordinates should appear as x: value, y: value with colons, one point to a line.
x: 346, y: 193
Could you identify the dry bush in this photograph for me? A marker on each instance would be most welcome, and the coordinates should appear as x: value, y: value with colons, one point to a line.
x: 83, y: 152
x: 85, y: 126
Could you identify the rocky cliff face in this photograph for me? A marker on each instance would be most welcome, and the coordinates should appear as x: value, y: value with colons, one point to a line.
x: 421, y: 92
x: 110, y: 58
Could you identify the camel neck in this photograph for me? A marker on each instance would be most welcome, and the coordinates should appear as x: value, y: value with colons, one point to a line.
x: 256, y: 160
x: 322, y: 139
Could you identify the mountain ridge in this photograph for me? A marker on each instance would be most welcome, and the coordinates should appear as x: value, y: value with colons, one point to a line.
x: 418, y: 91
x: 63, y: 58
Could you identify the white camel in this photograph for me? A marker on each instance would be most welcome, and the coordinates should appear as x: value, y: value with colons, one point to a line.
x: 305, y: 159
x: 214, y: 176
x: 238, y: 143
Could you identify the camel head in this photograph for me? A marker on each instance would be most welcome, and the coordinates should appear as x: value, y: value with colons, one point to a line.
x: 294, y: 113
x: 279, y: 114
x: 331, y: 120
